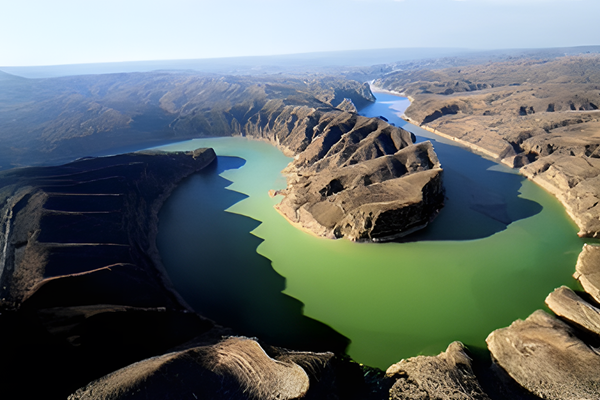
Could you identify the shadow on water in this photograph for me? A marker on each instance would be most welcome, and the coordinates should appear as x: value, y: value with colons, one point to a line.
x: 482, y: 198
x: 211, y: 258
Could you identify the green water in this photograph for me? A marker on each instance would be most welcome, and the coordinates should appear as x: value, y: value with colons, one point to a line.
x: 397, y: 300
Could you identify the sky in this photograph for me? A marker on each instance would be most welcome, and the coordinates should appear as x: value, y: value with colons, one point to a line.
x: 55, y: 32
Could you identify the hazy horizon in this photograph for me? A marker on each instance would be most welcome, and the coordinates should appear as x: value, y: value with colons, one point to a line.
x: 66, y: 32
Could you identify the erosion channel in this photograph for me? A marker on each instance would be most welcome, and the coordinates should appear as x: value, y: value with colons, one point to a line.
x: 498, y: 247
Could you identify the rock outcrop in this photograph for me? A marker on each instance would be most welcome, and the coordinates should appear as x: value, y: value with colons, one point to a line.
x: 347, y: 105
x: 235, y: 368
x: 567, y: 304
x: 375, y: 199
x: 551, y: 358
x: 587, y: 271
x: 575, y: 181
x: 354, y: 177
x: 446, y: 376
x: 545, y: 357
x: 540, y: 115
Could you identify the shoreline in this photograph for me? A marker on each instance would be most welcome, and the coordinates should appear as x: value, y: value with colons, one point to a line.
x: 542, y: 183
x: 471, y: 146
x: 377, y: 89
x: 561, y: 197
x: 154, y: 211
x: 298, y: 225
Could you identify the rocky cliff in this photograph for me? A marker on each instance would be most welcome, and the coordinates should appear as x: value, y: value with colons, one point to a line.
x: 85, y: 302
x: 352, y: 176
x: 81, y: 285
x: 557, y: 358
x: 312, y: 119
x: 540, y: 115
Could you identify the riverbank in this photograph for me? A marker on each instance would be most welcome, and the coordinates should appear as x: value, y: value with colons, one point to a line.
x: 557, y: 344
x: 513, y: 112
x: 473, y: 147
x: 559, y: 174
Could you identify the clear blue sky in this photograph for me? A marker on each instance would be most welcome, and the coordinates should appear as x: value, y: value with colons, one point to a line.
x: 49, y: 32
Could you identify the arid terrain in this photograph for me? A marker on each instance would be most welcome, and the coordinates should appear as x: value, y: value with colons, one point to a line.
x: 87, y: 310
x: 540, y: 115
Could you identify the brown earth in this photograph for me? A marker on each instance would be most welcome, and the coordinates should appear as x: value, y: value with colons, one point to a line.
x: 542, y: 112
x: 311, y: 118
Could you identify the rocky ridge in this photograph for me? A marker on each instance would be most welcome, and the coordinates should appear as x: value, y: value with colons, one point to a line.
x: 81, y: 284
x: 556, y: 358
x: 313, y: 120
x: 162, y: 347
x: 351, y: 176
x: 447, y: 376
x: 540, y: 115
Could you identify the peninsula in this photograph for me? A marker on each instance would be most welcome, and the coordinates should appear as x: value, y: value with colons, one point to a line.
x: 88, y: 310
x: 539, y: 115
x: 335, y: 186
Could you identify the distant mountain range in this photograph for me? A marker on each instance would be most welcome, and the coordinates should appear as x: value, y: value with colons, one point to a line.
x: 346, y: 62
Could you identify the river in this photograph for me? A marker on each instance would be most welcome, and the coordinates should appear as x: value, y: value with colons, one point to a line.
x: 496, y: 250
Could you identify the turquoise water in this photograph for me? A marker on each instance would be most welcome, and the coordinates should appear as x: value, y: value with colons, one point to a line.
x: 499, y: 246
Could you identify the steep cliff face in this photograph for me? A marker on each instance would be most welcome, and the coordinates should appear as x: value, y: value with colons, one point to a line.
x: 82, y: 291
x: 352, y: 176
x: 59, y: 119
x: 540, y: 115
x: 63, y: 222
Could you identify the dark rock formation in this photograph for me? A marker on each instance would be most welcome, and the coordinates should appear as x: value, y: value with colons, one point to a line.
x: 347, y: 105
x: 81, y: 284
x: 235, y: 368
x: 545, y: 357
x: 446, y: 376
x: 55, y: 219
x: 445, y: 110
